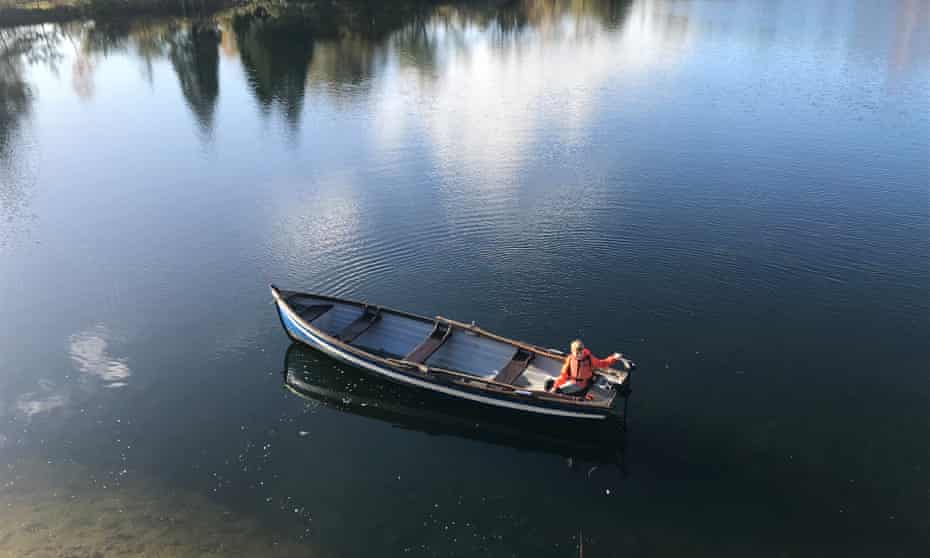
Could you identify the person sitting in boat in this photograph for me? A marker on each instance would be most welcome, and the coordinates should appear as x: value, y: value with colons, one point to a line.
x: 578, y: 370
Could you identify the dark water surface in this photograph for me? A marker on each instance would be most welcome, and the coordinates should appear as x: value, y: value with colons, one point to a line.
x: 736, y: 194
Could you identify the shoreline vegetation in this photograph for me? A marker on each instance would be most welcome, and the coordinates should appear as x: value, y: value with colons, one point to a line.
x: 14, y: 13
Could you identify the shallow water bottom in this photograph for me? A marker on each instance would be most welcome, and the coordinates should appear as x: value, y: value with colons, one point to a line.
x: 50, y: 510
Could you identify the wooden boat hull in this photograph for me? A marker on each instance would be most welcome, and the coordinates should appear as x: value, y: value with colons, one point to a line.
x: 309, y: 377
x: 301, y: 331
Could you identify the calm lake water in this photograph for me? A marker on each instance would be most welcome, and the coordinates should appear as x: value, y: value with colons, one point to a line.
x: 736, y: 194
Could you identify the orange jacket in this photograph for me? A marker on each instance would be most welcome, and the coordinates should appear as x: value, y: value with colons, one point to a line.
x: 584, y: 372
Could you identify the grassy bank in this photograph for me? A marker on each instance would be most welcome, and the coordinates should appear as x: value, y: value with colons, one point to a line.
x: 22, y: 12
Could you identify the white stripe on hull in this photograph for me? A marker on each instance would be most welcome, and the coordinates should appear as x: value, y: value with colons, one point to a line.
x: 319, y: 343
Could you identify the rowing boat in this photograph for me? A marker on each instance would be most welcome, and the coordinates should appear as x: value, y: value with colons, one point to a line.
x: 442, y: 355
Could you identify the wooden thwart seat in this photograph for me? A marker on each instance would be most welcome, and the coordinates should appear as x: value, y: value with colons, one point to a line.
x: 424, y: 350
x: 360, y: 325
x: 515, y: 367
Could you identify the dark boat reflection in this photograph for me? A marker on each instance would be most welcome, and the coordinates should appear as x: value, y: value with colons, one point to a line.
x: 316, y: 377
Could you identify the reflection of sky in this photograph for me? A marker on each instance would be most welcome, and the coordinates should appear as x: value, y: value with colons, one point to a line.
x: 17, y: 150
x: 495, y: 98
x: 320, y: 223
x: 90, y: 354
x: 31, y: 404
x: 699, y: 156
x: 483, y: 126
x: 502, y: 121
x: 491, y: 100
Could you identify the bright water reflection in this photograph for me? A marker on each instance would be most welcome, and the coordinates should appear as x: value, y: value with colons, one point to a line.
x: 735, y: 193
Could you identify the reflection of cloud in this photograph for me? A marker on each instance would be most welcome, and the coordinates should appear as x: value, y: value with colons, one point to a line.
x: 88, y: 350
x: 90, y: 353
x: 495, y: 91
x: 39, y: 402
x: 31, y: 404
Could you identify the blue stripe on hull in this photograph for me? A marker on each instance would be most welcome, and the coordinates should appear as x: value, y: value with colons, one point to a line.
x: 296, y: 331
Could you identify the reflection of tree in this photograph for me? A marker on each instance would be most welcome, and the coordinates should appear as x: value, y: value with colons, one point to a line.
x: 339, y: 40
x: 425, y: 34
x: 609, y: 13
x: 82, y: 75
x: 351, y: 60
x: 374, y: 19
x: 511, y: 18
x: 100, y: 39
x: 346, y: 42
x: 416, y: 45
x: 275, y: 53
x: 192, y: 49
x: 15, y: 97
x: 15, y: 100
x: 33, y: 45
x: 106, y: 37
x: 150, y: 43
x: 195, y: 58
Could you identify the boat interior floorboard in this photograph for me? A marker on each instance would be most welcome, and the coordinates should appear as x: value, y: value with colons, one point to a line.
x: 360, y: 325
x: 471, y: 353
x: 393, y: 335
x: 439, y: 335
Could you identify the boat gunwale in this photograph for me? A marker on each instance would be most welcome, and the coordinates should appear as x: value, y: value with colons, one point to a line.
x: 423, y: 371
